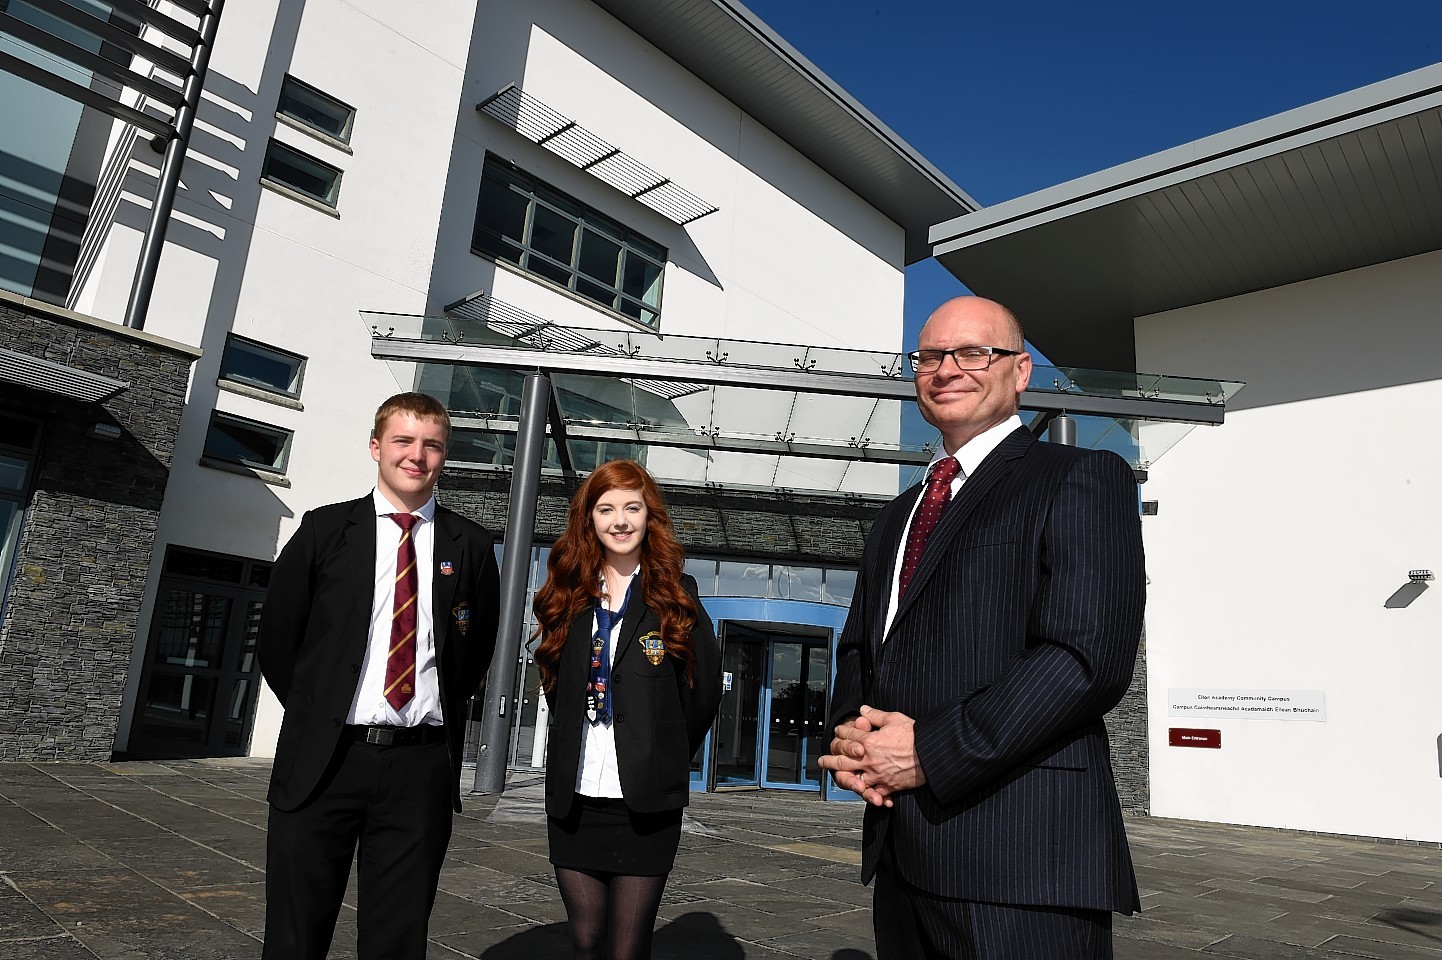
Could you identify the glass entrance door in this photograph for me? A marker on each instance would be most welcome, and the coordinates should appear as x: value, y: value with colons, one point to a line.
x: 797, y: 713
x: 199, y: 687
x: 772, y: 724
x: 738, y: 727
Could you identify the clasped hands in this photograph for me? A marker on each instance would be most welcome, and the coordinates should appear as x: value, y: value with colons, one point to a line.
x: 874, y: 755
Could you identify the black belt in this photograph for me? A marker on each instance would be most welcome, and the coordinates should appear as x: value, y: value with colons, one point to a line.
x: 384, y: 736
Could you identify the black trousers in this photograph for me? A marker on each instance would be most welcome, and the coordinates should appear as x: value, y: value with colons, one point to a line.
x: 390, y: 808
x: 912, y: 924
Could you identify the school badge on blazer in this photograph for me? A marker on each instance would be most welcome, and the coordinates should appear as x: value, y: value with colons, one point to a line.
x: 655, y: 649
x: 461, y: 614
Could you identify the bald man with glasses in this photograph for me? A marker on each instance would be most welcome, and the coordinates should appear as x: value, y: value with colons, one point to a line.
x: 996, y: 621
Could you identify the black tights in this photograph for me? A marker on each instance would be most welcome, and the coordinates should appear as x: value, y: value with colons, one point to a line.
x: 611, y: 914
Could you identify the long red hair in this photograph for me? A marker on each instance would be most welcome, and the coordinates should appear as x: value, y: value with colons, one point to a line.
x: 573, y: 570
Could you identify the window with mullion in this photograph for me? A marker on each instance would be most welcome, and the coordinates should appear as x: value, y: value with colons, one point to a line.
x: 553, y: 236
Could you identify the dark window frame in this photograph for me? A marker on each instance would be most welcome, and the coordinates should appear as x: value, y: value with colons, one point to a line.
x: 530, y: 252
x: 330, y: 199
x: 342, y: 138
x: 235, y: 339
x: 286, y: 436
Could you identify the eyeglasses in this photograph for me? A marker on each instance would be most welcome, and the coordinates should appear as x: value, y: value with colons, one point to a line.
x: 967, y: 358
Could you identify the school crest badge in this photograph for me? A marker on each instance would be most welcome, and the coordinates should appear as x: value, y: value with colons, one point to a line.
x: 654, y: 647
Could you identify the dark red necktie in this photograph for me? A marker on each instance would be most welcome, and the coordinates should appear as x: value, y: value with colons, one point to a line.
x: 938, y: 491
x: 401, y: 661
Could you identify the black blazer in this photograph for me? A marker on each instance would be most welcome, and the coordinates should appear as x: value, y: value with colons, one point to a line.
x: 660, y: 719
x: 316, y: 619
x: 1017, y: 635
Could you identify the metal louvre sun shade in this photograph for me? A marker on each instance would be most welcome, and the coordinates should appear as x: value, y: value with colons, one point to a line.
x: 576, y: 145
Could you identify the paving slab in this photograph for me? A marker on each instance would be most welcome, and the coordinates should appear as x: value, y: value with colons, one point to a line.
x: 164, y: 860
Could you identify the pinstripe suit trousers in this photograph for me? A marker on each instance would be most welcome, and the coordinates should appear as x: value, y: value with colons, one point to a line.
x: 911, y: 924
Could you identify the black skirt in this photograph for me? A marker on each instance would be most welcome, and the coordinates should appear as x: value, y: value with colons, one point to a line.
x: 603, y: 835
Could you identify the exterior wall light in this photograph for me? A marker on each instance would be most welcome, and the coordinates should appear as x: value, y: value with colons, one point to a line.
x: 109, y: 431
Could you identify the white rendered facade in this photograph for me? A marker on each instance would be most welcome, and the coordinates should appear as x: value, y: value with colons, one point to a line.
x: 790, y: 255
x: 1280, y: 554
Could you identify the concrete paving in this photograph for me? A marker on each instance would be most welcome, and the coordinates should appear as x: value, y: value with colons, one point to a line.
x: 164, y: 860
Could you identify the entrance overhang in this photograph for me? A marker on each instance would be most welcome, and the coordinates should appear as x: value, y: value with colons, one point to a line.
x: 707, y: 394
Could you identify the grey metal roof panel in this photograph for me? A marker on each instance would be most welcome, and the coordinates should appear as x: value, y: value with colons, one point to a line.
x: 733, y: 51
x: 1343, y: 183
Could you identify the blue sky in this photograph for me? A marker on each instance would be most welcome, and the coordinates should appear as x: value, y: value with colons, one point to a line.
x: 1006, y: 99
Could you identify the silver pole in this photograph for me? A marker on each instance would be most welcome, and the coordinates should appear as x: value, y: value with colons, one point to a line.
x: 515, y: 564
x: 1062, y: 430
x: 144, y: 286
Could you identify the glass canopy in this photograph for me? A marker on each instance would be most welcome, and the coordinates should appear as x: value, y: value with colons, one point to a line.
x: 735, y: 412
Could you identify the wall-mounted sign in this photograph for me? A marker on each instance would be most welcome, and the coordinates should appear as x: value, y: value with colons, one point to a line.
x: 1193, y: 737
x: 1214, y: 704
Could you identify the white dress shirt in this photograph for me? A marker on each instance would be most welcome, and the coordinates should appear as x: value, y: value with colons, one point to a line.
x: 369, y: 706
x: 968, y: 457
x: 598, y: 774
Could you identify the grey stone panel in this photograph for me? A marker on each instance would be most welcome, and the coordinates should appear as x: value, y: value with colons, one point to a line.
x: 1127, y: 729
x: 72, y: 613
x: 753, y: 524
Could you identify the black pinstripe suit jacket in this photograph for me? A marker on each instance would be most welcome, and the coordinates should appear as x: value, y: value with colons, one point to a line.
x: 1018, y: 633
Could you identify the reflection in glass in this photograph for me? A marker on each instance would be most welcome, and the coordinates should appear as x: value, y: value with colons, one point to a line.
x: 742, y: 579
x: 599, y: 257
x: 253, y: 444
x: 9, y: 537
x: 736, y: 723
x: 320, y: 111
x: 527, y: 696
x: 798, y: 583
x: 554, y: 235
x: 12, y: 473
x: 260, y: 366
x: 177, y: 708
x: 705, y: 573
x: 642, y: 279
x: 839, y: 587
x: 245, y: 656
x: 238, y: 713
x: 798, y: 713
x: 192, y: 628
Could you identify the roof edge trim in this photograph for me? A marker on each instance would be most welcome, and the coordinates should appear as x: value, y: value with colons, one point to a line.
x: 1366, y: 106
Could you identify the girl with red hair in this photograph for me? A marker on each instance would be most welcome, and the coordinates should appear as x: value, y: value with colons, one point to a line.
x: 632, y: 675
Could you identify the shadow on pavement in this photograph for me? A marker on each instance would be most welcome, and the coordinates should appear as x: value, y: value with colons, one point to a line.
x: 694, y: 936
x: 1412, y: 919
x: 550, y: 940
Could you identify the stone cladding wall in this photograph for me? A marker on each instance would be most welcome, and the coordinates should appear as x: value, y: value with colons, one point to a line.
x: 72, y: 612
